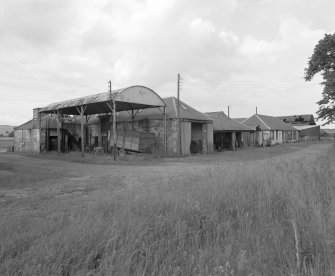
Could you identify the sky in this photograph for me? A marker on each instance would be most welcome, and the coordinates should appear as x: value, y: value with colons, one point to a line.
x: 241, y: 53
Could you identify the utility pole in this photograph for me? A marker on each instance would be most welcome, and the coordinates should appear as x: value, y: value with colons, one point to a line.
x: 114, y: 118
x: 256, y: 110
x: 228, y: 111
x: 178, y: 115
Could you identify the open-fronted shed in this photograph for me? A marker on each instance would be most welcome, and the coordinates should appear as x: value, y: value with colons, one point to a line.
x: 230, y: 134
x: 107, y: 104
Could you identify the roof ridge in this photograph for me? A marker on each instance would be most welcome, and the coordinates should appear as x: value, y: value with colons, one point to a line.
x: 263, y: 121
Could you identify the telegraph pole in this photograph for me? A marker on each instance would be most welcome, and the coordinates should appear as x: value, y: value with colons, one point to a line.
x: 178, y: 116
x: 114, y: 118
x: 228, y: 111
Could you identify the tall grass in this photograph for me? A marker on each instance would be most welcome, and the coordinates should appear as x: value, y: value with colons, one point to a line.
x: 273, y: 217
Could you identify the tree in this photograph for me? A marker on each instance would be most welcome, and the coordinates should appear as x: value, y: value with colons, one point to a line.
x: 323, y: 61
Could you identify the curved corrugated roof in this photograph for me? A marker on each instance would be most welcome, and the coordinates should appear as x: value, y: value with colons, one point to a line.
x: 133, y: 97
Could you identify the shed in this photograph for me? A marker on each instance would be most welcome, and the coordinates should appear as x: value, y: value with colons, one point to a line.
x: 271, y: 130
x: 230, y: 134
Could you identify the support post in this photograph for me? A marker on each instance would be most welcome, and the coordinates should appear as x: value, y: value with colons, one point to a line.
x: 132, y: 120
x: 59, y: 138
x: 222, y: 141
x: 99, y: 133
x: 82, y: 130
x: 233, y: 138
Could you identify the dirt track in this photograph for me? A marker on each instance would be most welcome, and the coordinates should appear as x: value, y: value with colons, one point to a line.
x: 35, y: 181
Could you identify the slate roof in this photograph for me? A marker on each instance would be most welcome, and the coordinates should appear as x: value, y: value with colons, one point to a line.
x: 265, y: 122
x: 222, y: 122
x: 50, y: 121
x: 186, y: 112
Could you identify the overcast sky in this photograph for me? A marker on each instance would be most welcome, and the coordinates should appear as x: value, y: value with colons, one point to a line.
x: 242, y: 53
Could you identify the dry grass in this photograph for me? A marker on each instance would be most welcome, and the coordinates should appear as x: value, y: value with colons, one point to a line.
x: 270, y: 217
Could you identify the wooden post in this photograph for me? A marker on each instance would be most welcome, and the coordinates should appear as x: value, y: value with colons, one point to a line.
x: 165, y: 131
x: 100, y: 133
x: 82, y: 130
x: 222, y: 141
x: 59, y: 138
x: 233, y: 137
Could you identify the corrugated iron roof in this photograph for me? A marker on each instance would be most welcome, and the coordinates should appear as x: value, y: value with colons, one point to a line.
x: 298, y: 119
x: 222, y: 122
x: 265, y: 122
x: 133, y: 97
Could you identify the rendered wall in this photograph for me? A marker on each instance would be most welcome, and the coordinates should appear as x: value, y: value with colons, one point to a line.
x: 27, y: 140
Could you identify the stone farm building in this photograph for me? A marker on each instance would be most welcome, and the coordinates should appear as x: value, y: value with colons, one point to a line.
x: 308, y: 129
x: 196, y: 128
x: 271, y: 130
x: 230, y: 134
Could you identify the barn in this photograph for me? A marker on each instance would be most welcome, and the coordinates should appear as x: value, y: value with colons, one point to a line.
x: 66, y: 124
x: 230, y: 134
x: 271, y: 130
x: 196, y: 129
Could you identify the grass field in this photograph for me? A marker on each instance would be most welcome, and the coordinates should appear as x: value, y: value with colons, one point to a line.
x: 264, y: 211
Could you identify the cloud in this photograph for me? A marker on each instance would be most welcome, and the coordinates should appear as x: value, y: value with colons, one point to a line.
x: 56, y: 50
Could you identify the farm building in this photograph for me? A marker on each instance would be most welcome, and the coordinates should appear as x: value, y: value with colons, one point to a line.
x: 66, y: 125
x: 308, y: 130
x: 271, y: 130
x: 196, y: 128
x: 229, y: 134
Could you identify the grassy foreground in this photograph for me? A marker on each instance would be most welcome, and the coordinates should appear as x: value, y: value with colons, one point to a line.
x: 271, y: 217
